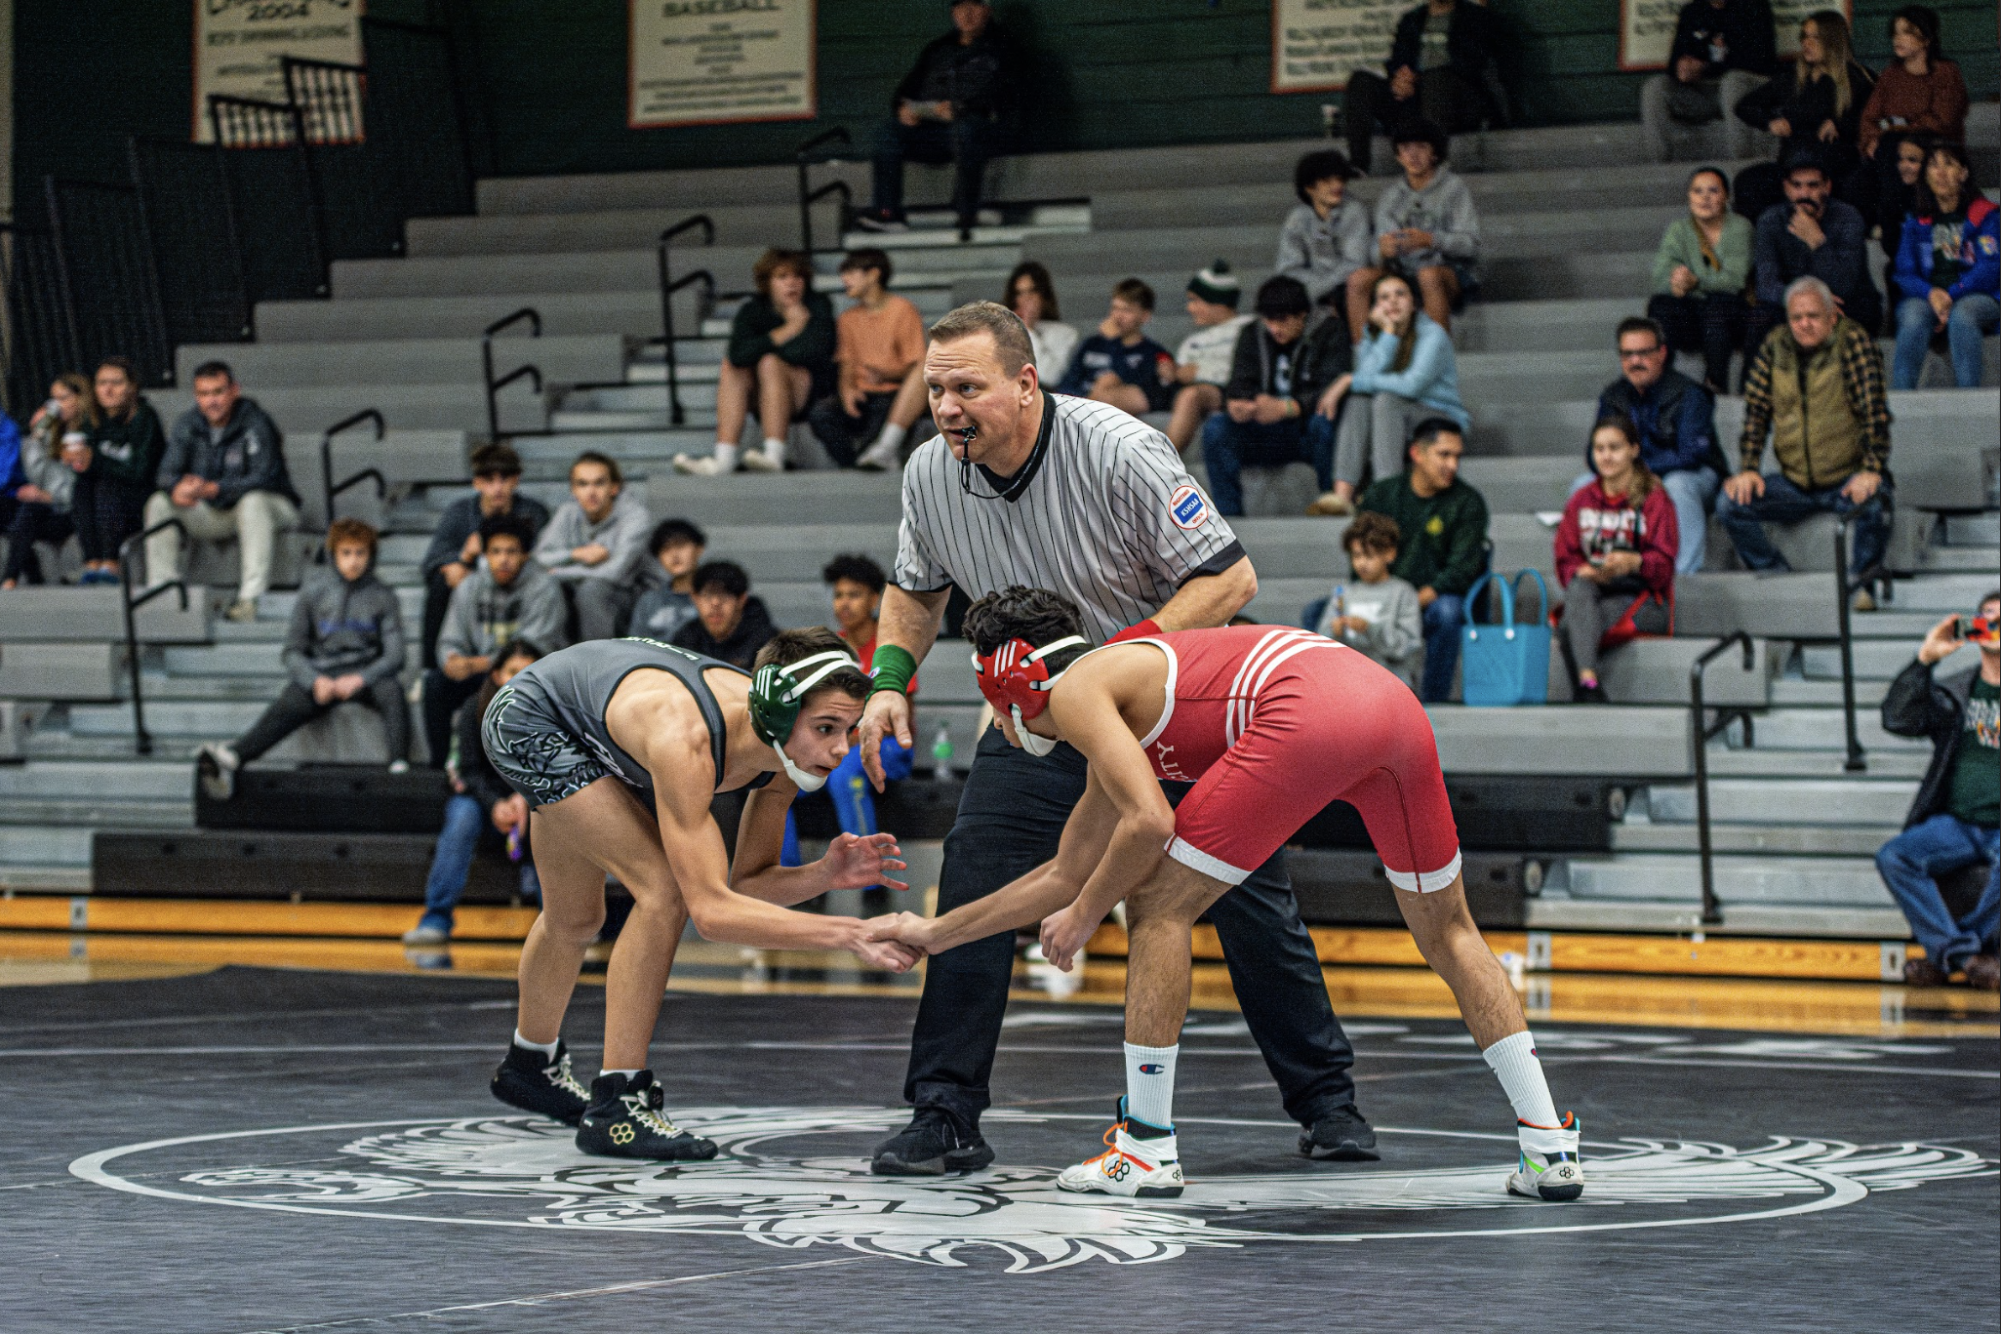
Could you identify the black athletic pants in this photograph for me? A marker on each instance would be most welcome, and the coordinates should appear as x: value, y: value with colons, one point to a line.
x: 295, y: 707
x: 1010, y: 819
x: 1442, y: 97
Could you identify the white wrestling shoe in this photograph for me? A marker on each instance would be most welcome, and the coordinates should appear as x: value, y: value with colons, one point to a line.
x: 1550, y: 1168
x: 1147, y: 1169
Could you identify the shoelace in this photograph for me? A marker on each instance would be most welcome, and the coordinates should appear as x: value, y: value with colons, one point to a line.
x: 639, y: 1107
x: 1112, y: 1150
x: 558, y: 1073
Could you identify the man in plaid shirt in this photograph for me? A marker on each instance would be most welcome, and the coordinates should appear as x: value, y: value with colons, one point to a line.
x: 1816, y: 388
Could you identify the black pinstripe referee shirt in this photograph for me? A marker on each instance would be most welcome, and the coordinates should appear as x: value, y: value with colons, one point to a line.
x: 1102, y: 512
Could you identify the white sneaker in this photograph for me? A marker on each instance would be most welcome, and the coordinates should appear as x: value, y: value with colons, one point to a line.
x: 1550, y: 1167
x: 1147, y: 1169
x: 879, y: 457
x: 399, y: 766
x: 697, y: 467
x: 216, y: 764
x: 761, y: 460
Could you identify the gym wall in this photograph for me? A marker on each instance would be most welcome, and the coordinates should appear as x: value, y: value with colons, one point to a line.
x: 1110, y: 72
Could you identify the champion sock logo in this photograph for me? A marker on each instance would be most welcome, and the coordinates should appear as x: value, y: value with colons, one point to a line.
x: 1150, y: 1068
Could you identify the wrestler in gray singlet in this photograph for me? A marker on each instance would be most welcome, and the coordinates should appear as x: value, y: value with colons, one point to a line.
x: 545, y: 730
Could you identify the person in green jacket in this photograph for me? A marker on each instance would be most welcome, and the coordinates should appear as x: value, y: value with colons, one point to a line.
x: 781, y: 354
x: 1444, y: 525
x: 109, y: 503
x: 1700, y: 272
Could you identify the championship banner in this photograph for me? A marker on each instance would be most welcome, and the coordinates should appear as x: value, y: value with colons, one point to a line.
x: 238, y: 44
x: 1646, y: 28
x: 709, y: 62
x: 1315, y: 44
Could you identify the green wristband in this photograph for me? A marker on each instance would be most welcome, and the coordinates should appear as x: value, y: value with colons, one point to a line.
x: 893, y: 669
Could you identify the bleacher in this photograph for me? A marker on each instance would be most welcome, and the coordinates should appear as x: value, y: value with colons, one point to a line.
x: 1567, y: 252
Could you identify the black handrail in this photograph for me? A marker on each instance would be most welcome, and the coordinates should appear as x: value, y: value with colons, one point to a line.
x: 329, y: 490
x: 493, y: 386
x: 668, y: 286
x: 1701, y: 730
x: 126, y: 582
x: 804, y: 158
x: 1856, y: 762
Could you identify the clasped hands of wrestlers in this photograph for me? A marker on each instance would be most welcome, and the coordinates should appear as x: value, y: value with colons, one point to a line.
x: 1064, y: 934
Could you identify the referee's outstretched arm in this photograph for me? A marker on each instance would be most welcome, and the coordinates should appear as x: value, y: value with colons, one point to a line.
x: 909, y: 621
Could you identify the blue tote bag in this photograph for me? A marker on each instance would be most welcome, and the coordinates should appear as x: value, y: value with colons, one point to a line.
x: 1506, y: 663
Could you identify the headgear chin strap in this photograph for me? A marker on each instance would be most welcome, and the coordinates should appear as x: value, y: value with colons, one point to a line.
x: 1016, y: 681
x: 776, y: 694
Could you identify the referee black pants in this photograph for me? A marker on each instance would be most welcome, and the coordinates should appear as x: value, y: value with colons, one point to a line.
x: 1011, y: 817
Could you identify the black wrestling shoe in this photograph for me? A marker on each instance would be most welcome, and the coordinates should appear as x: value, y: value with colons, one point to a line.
x: 623, y: 1121
x: 933, y: 1144
x: 540, y: 1084
x: 1341, y: 1136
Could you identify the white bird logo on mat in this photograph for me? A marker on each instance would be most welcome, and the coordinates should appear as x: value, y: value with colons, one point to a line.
x: 522, y: 1172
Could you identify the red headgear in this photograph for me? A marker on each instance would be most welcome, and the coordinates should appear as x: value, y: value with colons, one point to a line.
x: 1015, y: 678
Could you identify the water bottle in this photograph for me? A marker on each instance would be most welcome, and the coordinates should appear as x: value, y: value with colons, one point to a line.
x: 941, y: 753
x: 1337, y: 607
x: 514, y: 844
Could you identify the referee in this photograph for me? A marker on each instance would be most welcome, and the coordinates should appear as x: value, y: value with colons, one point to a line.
x: 1060, y: 493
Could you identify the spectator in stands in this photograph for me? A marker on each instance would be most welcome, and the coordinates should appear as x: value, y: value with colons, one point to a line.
x: 1441, y: 68
x: 109, y: 502
x: 223, y: 475
x: 454, y: 551
x: 1722, y: 50
x: 1444, y: 525
x: 1119, y: 364
x: 1953, y: 823
x: 1328, y: 240
x: 1674, y: 419
x: 1815, y: 105
x: 1919, y: 92
x: 345, y: 642
x: 482, y: 806
x: 1810, y: 235
x: 1405, y: 371
x: 1031, y: 294
x: 781, y: 353
x: 1816, y: 387
x: 1202, y: 362
x: 1948, y: 270
x: 951, y: 107
x: 1700, y: 273
x: 1377, y: 613
x: 1284, y: 390
x: 663, y: 609
x: 1616, y: 543
x: 593, y: 545
x: 1426, y: 230
x: 508, y: 596
x: 878, y: 345
x: 730, y: 625
x: 1897, y: 199
x: 857, y: 583
x: 42, y: 489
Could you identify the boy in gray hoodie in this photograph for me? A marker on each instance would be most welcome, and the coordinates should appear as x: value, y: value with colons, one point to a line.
x: 1426, y: 229
x: 345, y: 643
x: 507, y: 596
x: 1377, y: 614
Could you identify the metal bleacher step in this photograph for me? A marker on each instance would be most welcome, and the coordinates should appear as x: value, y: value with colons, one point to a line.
x: 1819, y: 762
x: 1771, y: 800
x: 44, y: 846
x: 1824, y: 881
x: 1867, y: 926
x: 1868, y: 694
x: 1782, y: 840
x: 1805, y: 728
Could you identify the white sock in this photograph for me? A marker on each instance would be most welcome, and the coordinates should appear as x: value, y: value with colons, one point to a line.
x: 774, y: 449
x: 627, y: 1073
x: 725, y: 457
x: 1513, y: 1061
x: 890, y: 440
x: 546, y: 1048
x: 1150, y: 1084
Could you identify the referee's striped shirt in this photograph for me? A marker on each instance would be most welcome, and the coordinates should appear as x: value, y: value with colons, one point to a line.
x: 1102, y: 512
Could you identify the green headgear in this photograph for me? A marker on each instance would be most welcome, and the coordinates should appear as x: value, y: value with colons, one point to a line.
x: 776, y: 693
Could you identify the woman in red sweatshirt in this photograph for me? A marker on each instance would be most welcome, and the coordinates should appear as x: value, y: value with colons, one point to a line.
x: 1617, y: 542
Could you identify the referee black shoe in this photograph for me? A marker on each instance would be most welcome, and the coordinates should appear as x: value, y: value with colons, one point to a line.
x: 934, y: 1143
x: 624, y: 1121
x: 541, y: 1084
x: 1341, y: 1136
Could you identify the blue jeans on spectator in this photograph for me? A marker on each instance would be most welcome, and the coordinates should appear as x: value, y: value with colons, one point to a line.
x: 1973, y: 315
x: 1785, y: 503
x: 1693, y: 491
x: 466, y: 822
x: 1911, y: 864
x: 1442, y: 620
x: 967, y: 143
x: 1229, y: 446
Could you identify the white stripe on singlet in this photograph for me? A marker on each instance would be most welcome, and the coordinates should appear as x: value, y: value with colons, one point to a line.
x: 1095, y: 521
x: 1262, y: 660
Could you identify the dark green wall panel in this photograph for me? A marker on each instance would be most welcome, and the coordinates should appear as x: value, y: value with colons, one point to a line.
x: 1112, y: 72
